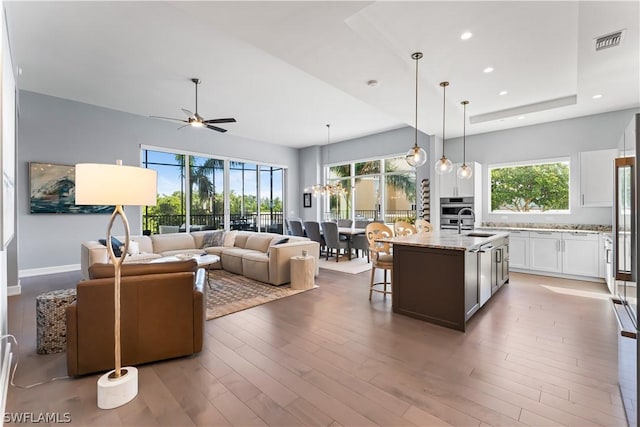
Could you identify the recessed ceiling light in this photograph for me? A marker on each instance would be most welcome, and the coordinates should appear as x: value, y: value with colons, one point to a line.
x: 466, y: 35
x: 488, y: 69
x: 520, y: 117
x: 504, y: 92
x: 598, y: 96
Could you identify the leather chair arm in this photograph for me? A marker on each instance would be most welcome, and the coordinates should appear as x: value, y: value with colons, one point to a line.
x: 72, y: 339
x: 199, y: 308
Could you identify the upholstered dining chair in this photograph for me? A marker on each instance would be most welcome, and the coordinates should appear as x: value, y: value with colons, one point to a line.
x: 404, y: 228
x: 344, y: 223
x: 423, y: 226
x: 312, y: 228
x: 381, y: 256
x: 332, y: 239
x: 296, y: 227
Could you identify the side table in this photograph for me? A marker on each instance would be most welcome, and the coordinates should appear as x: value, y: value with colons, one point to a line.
x: 302, y: 272
x: 51, y: 320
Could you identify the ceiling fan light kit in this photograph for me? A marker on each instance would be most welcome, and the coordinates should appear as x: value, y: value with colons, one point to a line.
x: 443, y: 165
x: 416, y: 156
x: 195, y: 120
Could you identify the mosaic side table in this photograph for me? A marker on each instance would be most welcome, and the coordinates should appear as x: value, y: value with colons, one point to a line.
x: 51, y: 320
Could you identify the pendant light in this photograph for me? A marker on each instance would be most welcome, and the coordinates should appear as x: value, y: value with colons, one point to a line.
x: 416, y: 156
x: 443, y: 165
x: 464, y: 171
x: 326, y: 189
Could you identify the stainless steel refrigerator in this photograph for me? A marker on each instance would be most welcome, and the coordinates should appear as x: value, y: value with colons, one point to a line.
x: 625, y: 254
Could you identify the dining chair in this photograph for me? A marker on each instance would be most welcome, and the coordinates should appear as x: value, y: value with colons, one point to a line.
x: 423, y: 226
x: 381, y: 256
x: 361, y: 223
x: 344, y: 223
x: 296, y: 227
x: 312, y: 229
x: 404, y: 228
x: 333, y: 240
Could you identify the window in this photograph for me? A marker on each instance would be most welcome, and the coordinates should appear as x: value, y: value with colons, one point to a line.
x: 530, y: 188
x: 194, y: 190
x: 381, y: 189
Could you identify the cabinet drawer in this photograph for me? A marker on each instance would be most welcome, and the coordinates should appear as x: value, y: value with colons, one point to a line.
x: 546, y: 234
x: 580, y: 236
x: 519, y: 233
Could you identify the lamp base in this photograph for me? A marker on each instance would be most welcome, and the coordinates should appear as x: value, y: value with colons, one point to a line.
x: 114, y: 392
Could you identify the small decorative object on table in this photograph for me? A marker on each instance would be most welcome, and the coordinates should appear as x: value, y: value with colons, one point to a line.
x: 51, y: 320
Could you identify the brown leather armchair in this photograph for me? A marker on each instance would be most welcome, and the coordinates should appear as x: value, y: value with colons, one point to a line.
x: 163, y: 310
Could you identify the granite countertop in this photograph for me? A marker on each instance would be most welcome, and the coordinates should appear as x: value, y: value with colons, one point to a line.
x: 570, y: 228
x: 446, y: 239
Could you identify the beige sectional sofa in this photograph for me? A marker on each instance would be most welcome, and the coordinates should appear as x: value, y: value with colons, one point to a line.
x: 259, y: 256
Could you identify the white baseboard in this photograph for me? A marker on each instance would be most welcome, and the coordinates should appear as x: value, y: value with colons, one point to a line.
x: 559, y: 275
x: 48, y: 270
x: 14, y: 290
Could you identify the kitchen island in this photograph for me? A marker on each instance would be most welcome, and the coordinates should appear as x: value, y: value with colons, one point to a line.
x: 444, y: 277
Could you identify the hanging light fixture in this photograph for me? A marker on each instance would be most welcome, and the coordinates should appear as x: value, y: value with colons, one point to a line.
x: 464, y: 171
x: 443, y: 165
x: 416, y: 156
x: 326, y: 189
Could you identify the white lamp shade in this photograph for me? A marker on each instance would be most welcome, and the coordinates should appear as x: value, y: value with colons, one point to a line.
x: 104, y: 184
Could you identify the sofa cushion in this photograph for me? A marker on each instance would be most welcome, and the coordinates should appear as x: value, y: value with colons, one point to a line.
x: 172, y: 242
x: 241, y: 240
x: 230, y: 238
x: 116, y: 245
x: 213, y: 238
x: 255, y: 265
x: 259, y: 242
x: 100, y: 271
x: 232, y: 259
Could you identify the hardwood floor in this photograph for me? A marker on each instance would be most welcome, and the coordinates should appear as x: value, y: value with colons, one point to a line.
x: 543, y: 351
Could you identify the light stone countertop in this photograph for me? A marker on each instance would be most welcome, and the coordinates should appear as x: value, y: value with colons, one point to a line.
x: 447, y: 239
x: 559, y: 230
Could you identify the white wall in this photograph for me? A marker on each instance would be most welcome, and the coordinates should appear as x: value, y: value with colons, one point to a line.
x: 61, y: 131
x: 564, y: 138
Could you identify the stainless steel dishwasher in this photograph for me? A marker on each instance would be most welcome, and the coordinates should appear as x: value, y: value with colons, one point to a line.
x: 486, y: 271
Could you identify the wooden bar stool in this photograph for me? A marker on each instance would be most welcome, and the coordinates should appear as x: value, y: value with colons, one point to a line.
x: 381, y: 256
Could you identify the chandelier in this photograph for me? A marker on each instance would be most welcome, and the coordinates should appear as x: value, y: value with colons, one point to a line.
x: 327, y: 189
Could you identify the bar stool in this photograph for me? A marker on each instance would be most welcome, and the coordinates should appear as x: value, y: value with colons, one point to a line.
x: 381, y: 256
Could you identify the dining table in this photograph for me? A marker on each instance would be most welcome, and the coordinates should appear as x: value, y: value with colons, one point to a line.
x: 349, y: 232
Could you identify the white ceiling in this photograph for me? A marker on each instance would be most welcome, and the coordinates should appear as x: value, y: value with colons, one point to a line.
x: 285, y: 69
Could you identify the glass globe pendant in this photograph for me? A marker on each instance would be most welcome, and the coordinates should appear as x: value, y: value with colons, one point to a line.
x: 416, y: 156
x: 464, y: 171
x: 443, y: 165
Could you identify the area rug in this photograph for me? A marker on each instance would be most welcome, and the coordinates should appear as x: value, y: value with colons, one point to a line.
x: 355, y: 266
x: 230, y: 292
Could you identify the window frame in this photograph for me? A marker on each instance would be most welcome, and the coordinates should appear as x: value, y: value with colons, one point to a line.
x: 532, y: 162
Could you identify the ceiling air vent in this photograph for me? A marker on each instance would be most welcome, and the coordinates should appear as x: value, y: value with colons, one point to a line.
x: 610, y: 40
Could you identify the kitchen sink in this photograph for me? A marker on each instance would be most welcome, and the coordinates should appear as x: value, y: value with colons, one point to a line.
x: 473, y: 234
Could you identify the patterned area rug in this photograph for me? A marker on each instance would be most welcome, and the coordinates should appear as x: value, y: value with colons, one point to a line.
x: 230, y: 292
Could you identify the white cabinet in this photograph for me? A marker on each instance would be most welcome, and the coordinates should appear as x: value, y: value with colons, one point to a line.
x: 545, y: 254
x: 580, y: 254
x: 596, y: 177
x: 452, y: 186
x: 519, y: 249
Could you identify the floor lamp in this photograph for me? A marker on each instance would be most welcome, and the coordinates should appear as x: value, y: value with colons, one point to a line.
x: 101, y: 184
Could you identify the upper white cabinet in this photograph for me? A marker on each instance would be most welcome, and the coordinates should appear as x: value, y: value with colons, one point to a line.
x: 452, y: 186
x: 596, y: 177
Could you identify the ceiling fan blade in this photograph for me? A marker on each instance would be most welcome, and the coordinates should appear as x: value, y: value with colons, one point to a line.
x: 187, y: 112
x: 229, y: 120
x: 169, y: 118
x: 184, y: 126
x: 215, y: 128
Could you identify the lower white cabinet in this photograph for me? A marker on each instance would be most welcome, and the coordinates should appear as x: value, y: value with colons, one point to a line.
x: 545, y: 249
x: 580, y: 254
x: 573, y: 253
x: 518, y: 249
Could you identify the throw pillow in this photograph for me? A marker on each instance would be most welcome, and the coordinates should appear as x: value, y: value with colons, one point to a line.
x: 134, y: 248
x: 115, y: 244
x: 279, y: 242
x: 215, y: 238
x: 230, y: 238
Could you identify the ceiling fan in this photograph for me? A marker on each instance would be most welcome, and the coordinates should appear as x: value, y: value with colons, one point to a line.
x: 196, y: 120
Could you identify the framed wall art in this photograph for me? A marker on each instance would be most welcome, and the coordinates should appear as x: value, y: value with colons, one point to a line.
x: 52, y: 190
x: 306, y: 200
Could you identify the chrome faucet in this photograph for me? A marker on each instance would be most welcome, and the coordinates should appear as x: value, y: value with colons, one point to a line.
x: 473, y: 216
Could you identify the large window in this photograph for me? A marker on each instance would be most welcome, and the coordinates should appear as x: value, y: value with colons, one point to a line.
x: 530, y: 188
x: 194, y: 192
x: 380, y: 189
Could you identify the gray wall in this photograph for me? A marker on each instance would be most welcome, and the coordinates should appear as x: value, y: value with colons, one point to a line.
x: 56, y: 130
x: 565, y: 138
x: 384, y: 144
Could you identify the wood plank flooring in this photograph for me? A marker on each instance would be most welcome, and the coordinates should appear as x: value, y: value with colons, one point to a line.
x: 542, y: 352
